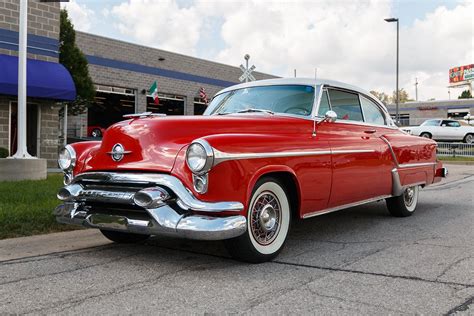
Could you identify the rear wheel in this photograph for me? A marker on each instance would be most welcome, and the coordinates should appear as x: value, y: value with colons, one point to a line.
x: 469, y: 138
x: 405, y: 204
x: 425, y: 135
x: 268, y: 224
x: 123, y: 238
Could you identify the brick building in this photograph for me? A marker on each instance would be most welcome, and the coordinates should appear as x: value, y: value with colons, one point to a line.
x: 122, y: 73
x: 42, y: 116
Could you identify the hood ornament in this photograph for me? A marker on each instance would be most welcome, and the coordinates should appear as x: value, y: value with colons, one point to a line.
x: 118, y: 151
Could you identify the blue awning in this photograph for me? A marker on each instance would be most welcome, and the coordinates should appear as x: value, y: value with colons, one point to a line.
x: 45, y: 80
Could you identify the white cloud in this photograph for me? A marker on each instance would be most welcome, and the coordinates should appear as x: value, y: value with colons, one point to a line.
x: 345, y: 40
x: 81, y: 16
x: 160, y: 23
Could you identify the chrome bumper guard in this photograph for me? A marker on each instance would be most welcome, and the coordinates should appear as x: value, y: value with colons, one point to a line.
x: 149, y: 199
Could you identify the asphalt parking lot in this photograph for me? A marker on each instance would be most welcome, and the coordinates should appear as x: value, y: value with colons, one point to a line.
x: 357, y: 261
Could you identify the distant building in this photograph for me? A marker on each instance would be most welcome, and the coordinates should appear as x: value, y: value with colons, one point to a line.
x: 416, y: 112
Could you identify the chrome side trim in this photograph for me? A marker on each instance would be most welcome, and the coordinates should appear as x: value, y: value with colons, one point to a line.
x: 353, y: 151
x: 395, y: 160
x: 341, y: 207
x: 397, y: 188
x: 417, y: 164
x: 185, y: 197
x: 220, y: 156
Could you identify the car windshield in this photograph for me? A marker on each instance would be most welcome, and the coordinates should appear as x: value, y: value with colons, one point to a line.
x: 289, y: 99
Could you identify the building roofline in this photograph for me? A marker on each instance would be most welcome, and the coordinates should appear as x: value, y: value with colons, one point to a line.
x: 168, y: 52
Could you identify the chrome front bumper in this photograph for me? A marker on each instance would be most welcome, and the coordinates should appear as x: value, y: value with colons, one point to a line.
x: 105, y: 200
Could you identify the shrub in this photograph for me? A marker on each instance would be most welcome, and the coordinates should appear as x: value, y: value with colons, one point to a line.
x: 3, y: 152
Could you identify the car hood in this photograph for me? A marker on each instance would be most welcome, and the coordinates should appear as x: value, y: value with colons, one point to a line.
x: 152, y: 143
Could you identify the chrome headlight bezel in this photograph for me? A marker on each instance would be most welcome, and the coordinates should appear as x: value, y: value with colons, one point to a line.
x: 205, y: 152
x: 69, y: 161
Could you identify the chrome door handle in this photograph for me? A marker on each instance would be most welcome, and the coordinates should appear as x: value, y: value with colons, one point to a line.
x: 370, y: 131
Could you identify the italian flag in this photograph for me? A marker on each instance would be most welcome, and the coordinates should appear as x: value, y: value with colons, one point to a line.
x: 154, y: 93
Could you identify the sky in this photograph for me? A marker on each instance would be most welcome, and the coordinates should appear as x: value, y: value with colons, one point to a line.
x: 345, y: 40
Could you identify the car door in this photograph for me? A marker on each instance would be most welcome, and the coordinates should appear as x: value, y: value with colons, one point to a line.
x: 360, y: 171
x: 450, y: 130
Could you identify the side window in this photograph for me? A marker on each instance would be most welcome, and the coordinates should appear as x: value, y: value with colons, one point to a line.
x: 450, y: 124
x: 372, y: 112
x: 324, y: 105
x: 346, y: 105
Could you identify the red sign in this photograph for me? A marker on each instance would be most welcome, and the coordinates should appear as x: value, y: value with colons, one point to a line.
x: 461, y: 74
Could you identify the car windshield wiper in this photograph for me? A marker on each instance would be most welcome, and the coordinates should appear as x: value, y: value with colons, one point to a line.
x: 251, y: 110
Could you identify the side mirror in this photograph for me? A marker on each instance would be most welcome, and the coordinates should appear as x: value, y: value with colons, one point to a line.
x: 330, y: 116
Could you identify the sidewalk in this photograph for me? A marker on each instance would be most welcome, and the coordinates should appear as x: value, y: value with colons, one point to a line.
x: 16, y: 248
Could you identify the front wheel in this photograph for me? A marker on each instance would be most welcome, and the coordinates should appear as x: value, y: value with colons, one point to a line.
x: 425, y: 135
x: 268, y: 224
x: 405, y: 204
x: 123, y: 238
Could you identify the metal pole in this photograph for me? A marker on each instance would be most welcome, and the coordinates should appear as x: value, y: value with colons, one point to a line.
x: 65, y: 125
x: 247, y: 69
x: 397, y: 115
x: 295, y: 72
x: 22, y: 151
x: 416, y: 89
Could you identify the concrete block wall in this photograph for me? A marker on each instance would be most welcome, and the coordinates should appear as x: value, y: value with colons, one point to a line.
x: 49, y: 132
x: 43, y: 20
x: 4, y: 119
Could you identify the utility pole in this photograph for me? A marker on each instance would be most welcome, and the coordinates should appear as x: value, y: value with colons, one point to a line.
x: 22, y: 151
x: 397, y: 116
x: 416, y: 89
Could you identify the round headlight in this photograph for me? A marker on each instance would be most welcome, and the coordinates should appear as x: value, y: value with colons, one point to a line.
x: 200, y: 157
x: 67, y: 158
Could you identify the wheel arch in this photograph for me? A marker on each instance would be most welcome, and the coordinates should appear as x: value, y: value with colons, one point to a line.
x: 288, y: 178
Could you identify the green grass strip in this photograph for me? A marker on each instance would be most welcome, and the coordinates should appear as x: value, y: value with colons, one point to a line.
x: 26, y: 207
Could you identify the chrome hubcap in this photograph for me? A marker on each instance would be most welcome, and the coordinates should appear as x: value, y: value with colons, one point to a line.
x: 409, y: 196
x: 265, y: 218
x: 469, y: 139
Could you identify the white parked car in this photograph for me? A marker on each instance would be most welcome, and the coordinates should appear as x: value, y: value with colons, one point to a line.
x: 444, y: 130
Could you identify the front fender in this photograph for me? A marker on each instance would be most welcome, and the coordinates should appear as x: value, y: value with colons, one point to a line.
x: 269, y: 170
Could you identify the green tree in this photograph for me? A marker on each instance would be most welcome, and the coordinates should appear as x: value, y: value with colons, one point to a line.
x: 402, y: 95
x: 74, y: 60
x: 466, y: 94
x: 382, y: 96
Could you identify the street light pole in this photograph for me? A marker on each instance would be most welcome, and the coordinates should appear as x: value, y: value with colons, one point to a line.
x: 397, y: 116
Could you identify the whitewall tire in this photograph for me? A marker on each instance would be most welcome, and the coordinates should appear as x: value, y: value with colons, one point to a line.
x: 405, y: 204
x: 268, y: 223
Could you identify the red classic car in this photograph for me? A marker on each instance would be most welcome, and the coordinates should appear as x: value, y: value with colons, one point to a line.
x: 264, y: 153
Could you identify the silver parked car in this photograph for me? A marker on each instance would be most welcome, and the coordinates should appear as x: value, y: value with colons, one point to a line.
x: 445, y: 130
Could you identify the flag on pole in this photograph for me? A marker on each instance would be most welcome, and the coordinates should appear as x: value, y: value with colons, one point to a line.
x: 154, y: 93
x: 203, y: 95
